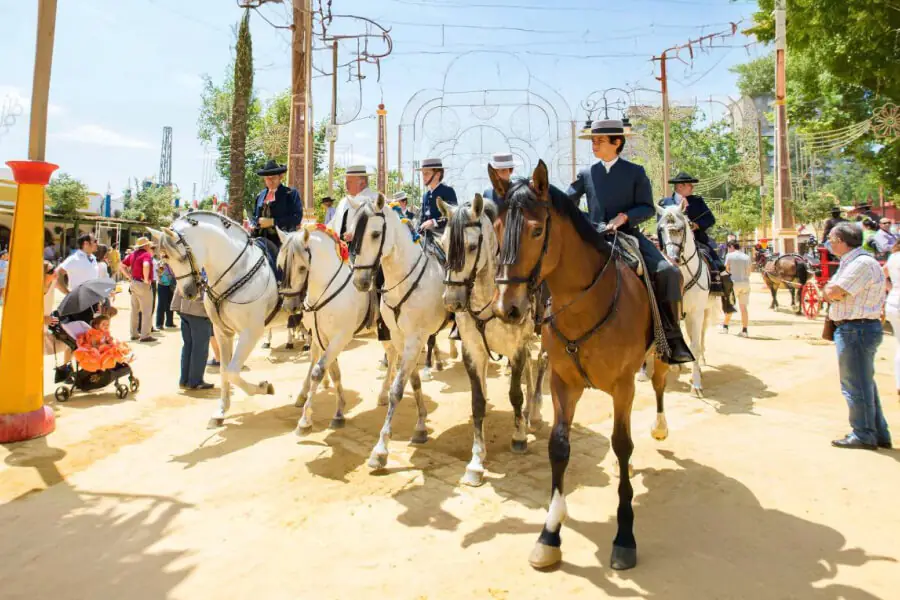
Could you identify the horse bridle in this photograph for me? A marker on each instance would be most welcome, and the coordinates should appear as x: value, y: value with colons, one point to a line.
x: 685, y: 262
x: 535, y: 274
x: 377, y: 262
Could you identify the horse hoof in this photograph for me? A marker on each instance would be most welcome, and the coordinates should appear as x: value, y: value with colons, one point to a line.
x: 439, y: 366
x: 659, y: 434
x: 543, y: 556
x: 215, y: 423
x: 426, y: 374
x: 519, y: 446
x: 377, y: 461
x: 472, y: 478
x: 289, y: 346
x: 266, y: 345
x: 419, y: 437
x: 642, y: 376
x: 623, y: 558
x: 270, y: 389
x: 338, y: 423
x: 302, y: 430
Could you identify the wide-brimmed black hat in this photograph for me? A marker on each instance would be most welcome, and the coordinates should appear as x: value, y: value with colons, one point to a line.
x: 684, y: 178
x: 272, y: 168
x: 327, y: 200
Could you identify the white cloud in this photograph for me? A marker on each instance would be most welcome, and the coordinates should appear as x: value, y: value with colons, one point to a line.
x: 98, y: 135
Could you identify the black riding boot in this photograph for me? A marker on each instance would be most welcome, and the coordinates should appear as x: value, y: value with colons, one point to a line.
x: 727, y: 293
x: 679, y: 352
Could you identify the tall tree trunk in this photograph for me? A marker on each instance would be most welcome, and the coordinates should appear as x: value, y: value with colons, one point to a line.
x: 243, y: 87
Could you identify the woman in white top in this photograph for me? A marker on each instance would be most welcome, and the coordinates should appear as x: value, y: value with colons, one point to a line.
x: 892, y: 305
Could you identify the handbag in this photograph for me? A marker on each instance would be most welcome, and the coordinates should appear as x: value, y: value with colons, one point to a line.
x: 828, y: 330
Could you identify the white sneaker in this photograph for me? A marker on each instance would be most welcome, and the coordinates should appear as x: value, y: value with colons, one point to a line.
x: 743, y: 334
x: 723, y: 329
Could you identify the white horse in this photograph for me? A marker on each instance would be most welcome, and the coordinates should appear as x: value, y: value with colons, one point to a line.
x: 317, y: 280
x: 472, y: 250
x: 677, y: 241
x: 240, y: 290
x: 411, y: 306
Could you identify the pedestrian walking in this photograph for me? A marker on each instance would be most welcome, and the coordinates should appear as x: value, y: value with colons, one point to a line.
x: 892, y: 305
x: 196, y: 330
x: 738, y: 265
x: 856, y: 294
x: 80, y: 266
x: 137, y: 268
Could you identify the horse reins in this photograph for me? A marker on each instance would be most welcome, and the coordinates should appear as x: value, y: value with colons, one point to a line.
x: 685, y: 262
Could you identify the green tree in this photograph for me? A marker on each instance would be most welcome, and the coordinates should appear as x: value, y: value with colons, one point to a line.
x: 67, y: 195
x: 757, y: 77
x: 240, y: 125
x: 205, y: 203
x: 153, y: 205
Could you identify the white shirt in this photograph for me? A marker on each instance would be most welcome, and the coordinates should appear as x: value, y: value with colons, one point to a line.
x: 350, y: 204
x: 102, y: 270
x: 609, y: 165
x: 892, y: 305
x: 80, y: 267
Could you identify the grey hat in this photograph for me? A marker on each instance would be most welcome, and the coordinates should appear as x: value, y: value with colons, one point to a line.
x: 605, y: 127
x: 503, y: 160
x: 398, y: 196
x: 431, y: 163
x: 357, y: 170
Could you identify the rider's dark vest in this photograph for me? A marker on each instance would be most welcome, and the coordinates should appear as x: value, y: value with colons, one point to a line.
x: 625, y: 189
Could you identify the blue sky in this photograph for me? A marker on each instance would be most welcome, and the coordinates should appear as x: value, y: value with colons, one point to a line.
x: 124, y: 69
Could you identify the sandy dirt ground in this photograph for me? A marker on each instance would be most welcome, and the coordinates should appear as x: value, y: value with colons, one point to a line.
x: 136, y: 499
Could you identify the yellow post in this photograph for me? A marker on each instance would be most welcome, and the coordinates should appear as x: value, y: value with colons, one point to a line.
x: 22, y: 412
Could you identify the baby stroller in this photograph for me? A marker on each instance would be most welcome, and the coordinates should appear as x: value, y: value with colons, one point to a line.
x: 88, y: 381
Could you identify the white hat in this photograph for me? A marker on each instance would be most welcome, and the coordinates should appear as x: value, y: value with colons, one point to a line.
x: 398, y: 196
x: 359, y: 170
x: 503, y: 160
x: 605, y: 127
x: 431, y: 163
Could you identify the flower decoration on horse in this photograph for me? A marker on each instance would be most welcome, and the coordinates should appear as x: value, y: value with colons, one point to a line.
x: 417, y: 238
x: 343, y: 251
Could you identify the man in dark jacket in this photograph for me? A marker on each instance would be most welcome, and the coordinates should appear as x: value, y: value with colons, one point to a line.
x: 701, y: 219
x: 504, y: 165
x: 430, y: 218
x: 619, y: 195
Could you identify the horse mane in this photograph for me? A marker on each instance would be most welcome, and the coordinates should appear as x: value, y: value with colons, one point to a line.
x: 232, y: 228
x: 456, y: 252
x: 520, y: 197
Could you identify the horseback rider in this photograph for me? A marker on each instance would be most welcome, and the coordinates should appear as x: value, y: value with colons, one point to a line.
x: 276, y: 206
x: 431, y: 222
x: 403, y: 201
x: 504, y: 166
x: 701, y: 219
x: 356, y: 180
x: 620, y: 197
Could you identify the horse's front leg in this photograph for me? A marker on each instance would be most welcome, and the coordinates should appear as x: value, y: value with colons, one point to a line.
x: 246, y: 342
x: 226, y: 347
x: 476, y: 362
x: 316, y: 374
x: 337, y: 422
x: 314, y: 353
x: 391, y: 353
x: 290, y: 339
x: 695, y: 331
x: 624, y: 552
x: 660, y: 370
x: 536, y: 401
x: 519, y: 442
x: 412, y: 347
x: 268, y: 343
x: 547, y: 552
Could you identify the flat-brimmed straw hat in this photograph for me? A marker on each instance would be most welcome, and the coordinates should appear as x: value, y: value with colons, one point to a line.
x: 503, y: 160
x: 142, y: 242
x: 398, y: 196
x: 357, y: 170
x: 684, y: 178
x: 431, y: 163
x: 605, y: 128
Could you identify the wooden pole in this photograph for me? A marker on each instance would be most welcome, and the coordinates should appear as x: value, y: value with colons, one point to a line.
x: 784, y: 215
x: 331, y: 140
x: 664, y: 85
x: 40, y: 93
x: 764, y: 219
x: 298, y: 157
x: 382, y: 149
x: 309, y: 151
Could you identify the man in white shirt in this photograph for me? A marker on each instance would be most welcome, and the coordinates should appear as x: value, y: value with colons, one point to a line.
x: 358, y: 191
x: 738, y: 264
x: 80, y: 266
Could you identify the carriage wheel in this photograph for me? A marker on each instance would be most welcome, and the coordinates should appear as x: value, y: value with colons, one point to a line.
x: 62, y: 394
x: 811, y: 299
x: 121, y: 391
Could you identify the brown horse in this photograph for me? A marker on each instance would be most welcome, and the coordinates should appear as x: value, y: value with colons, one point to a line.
x: 789, y: 271
x: 597, y: 333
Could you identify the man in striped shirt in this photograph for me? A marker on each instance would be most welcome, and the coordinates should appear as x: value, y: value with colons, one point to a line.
x: 856, y: 294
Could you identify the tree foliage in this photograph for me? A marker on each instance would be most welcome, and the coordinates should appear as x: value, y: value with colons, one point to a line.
x: 240, y: 124
x: 842, y: 66
x: 153, y: 204
x: 67, y: 195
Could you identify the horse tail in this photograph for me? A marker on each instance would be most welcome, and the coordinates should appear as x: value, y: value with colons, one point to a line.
x: 802, y: 271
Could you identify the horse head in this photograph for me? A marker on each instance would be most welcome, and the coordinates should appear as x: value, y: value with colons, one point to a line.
x: 470, y: 243
x: 524, y: 228
x: 372, y: 240
x: 181, y: 258
x: 675, y: 236
x: 295, y: 262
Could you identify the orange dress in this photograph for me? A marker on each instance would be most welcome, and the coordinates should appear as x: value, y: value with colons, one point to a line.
x: 98, y: 351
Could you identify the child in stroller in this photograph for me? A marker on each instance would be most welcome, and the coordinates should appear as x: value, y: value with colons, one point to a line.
x: 99, y: 359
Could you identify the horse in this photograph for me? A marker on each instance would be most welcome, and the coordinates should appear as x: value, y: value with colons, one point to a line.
x: 699, y: 307
x: 316, y: 280
x: 411, y: 306
x: 598, y: 332
x: 241, y: 292
x: 469, y: 292
x: 790, y: 271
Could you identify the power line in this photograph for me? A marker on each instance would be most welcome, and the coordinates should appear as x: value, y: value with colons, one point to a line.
x: 551, y: 8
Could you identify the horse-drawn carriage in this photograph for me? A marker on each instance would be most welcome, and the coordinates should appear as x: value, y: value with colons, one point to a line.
x: 812, y: 296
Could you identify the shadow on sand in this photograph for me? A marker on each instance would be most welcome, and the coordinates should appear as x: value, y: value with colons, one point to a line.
x: 729, y: 389
x: 68, y: 543
x: 702, y: 534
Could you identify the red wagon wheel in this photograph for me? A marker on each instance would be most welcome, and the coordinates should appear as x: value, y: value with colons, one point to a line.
x: 811, y: 299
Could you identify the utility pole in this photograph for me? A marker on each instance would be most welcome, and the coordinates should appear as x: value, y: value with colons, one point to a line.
x: 664, y: 86
x: 764, y: 219
x: 382, y: 149
x: 785, y: 231
x: 332, y: 138
x: 300, y: 151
